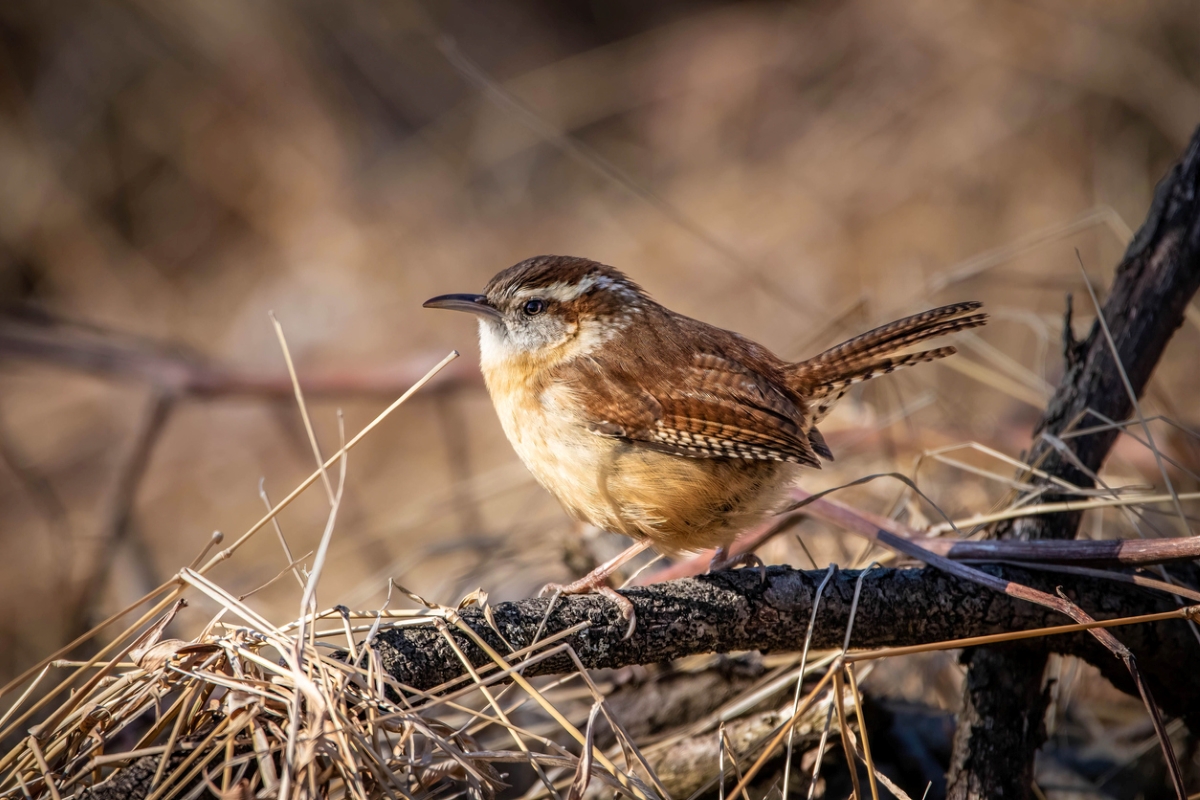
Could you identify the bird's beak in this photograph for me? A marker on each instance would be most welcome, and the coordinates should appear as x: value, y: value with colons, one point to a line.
x: 474, y: 303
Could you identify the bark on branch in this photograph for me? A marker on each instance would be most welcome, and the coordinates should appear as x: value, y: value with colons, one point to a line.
x: 734, y: 610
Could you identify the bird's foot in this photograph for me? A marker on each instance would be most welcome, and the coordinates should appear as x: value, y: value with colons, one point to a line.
x: 597, y: 581
x: 723, y: 560
x: 597, y: 584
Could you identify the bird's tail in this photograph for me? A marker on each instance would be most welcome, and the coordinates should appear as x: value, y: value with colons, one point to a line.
x: 824, y: 378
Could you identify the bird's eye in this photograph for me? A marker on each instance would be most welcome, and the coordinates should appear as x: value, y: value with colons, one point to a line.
x: 534, y: 307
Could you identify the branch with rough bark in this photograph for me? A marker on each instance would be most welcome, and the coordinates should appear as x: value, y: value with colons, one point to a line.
x: 1157, y: 278
x: 736, y: 610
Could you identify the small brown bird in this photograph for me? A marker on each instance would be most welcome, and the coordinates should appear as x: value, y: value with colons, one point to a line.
x: 648, y: 423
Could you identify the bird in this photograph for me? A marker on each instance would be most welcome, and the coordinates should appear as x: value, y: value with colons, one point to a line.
x: 648, y: 423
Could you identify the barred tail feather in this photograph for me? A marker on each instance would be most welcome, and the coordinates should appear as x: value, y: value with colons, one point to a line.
x: 825, y: 395
x: 824, y: 378
x: 897, y: 335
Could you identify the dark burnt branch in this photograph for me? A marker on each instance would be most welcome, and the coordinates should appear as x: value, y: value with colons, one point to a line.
x: 731, y: 611
x: 999, y: 730
x: 1064, y: 606
x: 1106, y: 552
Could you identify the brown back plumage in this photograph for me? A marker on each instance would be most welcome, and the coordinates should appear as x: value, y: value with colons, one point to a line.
x: 687, y: 388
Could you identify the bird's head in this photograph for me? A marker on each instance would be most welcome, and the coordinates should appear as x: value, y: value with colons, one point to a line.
x: 549, y: 309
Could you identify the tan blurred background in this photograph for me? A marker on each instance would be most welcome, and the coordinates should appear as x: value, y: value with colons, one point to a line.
x: 171, y: 171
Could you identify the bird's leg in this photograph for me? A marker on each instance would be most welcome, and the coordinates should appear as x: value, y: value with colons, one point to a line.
x: 597, y: 581
x: 723, y: 560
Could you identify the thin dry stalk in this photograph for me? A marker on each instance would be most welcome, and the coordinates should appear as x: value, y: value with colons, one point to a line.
x: 812, y: 623
x: 844, y: 727
x: 862, y: 730
x: 1133, y: 399
x: 804, y: 705
x: 299, y: 393
x: 630, y: 783
x: 329, y: 462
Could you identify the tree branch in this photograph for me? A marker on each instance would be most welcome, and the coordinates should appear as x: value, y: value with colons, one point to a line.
x: 734, y: 610
x: 1000, y: 730
x: 177, y: 370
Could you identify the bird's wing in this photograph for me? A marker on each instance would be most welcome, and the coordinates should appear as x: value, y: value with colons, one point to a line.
x: 714, y: 407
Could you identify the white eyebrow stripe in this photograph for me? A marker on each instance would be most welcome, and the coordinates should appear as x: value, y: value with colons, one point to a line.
x: 562, y: 292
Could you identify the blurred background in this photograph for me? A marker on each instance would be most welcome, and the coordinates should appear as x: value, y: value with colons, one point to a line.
x: 798, y: 172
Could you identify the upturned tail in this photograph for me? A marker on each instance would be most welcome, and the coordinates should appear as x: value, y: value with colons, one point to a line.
x: 824, y: 378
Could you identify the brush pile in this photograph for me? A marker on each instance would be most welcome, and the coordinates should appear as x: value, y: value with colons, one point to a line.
x: 250, y: 709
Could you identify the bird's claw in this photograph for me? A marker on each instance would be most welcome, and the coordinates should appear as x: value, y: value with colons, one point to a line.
x: 721, y: 561
x: 584, y: 586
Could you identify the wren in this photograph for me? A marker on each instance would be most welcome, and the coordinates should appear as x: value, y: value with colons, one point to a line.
x: 651, y: 424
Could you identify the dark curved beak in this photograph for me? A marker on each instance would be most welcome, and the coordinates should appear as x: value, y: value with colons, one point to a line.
x: 474, y: 303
